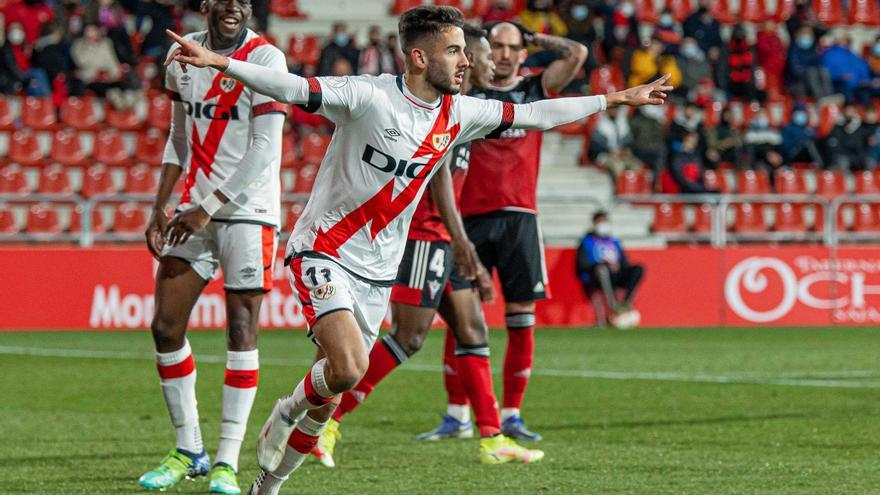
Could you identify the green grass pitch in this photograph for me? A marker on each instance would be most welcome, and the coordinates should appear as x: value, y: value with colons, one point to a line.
x: 757, y: 411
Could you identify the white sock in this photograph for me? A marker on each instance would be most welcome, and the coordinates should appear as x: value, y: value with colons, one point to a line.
x: 311, y: 395
x: 239, y: 390
x: 509, y: 412
x: 299, y: 446
x: 459, y: 412
x: 177, y: 375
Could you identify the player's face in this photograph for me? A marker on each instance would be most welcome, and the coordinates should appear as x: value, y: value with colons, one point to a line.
x: 482, y: 66
x: 227, y: 19
x: 447, y: 62
x: 508, y: 52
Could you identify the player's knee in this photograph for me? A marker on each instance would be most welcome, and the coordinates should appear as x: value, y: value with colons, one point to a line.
x: 411, y: 343
x: 167, y: 333
x: 347, y: 372
x: 241, y: 334
x: 474, y: 334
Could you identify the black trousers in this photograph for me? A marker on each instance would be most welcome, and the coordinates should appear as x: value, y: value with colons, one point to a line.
x: 626, y: 278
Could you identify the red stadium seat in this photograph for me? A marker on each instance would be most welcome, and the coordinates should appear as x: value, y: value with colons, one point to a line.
x: 7, y: 221
x: 75, y: 225
x: 314, y: 146
x: 754, y: 11
x: 291, y: 215
x: 721, y: 10
x: 42, y: 219
x: 748, y: 219
x: 13, y: 180
x: 789, y: 218
x: 24, y: 149
x: 790, y: 182
x: 680, y: 8
x: 828, y: 116
x: 67, y: 149
x: 286, y: 8
x: 54, y: 180
x: 865, y: 12
x: 288, y: 152
x: 97, y: 180
x: 702, y: 219
x: 129, y: 218
x: 866, y: 218
x: 867, y: 183
x: 79, y: 113
x: 830, y: 184
x: 7, y: 118
x: 140, y: 179
x: 304, y: 49
x: 450, y: 3
x: 819, y: 222
x: 630, y: 182
x: 38, y: 114
x: 829, y: 11
x: 669, y: 219
x: 606, y: 79
x: 646, y: 12
x: 753, y: 182
x: 159, y: 112
x: 716, y: 181
x: 784, y: 10
x: 305, y: 179
x: 150, y: 147
x: 401, y: 6
x: 110, y: 149
x: 126, y: 119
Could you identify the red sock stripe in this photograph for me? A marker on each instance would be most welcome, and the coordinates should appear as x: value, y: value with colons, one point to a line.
x: 178, y: 370
x: 312, y: 395
x: 242, y: 378
x: 301, y: 442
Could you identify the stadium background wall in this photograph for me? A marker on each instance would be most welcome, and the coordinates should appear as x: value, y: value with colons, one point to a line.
x: 64, y: 288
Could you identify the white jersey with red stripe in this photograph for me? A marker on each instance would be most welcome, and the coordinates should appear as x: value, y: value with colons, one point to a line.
x: 219, y: 121
x: 386, y: 147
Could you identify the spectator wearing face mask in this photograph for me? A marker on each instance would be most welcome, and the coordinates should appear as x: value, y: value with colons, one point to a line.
x: 649, y: 137
x: 693, y: 65
x: 871, y: 132
x: 805, y: 75
x: 740, y: 65
x: 685, y: 122
x: 763, y: 144
x: 601, y: 264
x: 849, y: 72
x: 668, y: 31
x: 578, y: 17
x: 684, y: 175
x: 340, y: 45
x: 621, y: 34
x: 724, y: 142
x: 16, y: 70
x: 799, y: 140
x: 29, y: 15
x: 703, y: 27
x: 770, y: 54
x: 500, y: 11
x: 375, y: 59
x: 108, y: 15
x: 847, y: 145
x: 611, y: 140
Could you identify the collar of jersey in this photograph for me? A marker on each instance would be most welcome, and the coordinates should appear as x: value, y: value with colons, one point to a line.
x: 508, y: 87
x: 414, y: 99
x: 228, y: 51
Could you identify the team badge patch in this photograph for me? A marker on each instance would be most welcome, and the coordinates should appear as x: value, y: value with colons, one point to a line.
x: 227, y: 84
x: 441, y: 141
x: 324, y: 292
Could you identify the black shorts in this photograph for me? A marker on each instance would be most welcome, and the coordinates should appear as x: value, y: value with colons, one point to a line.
x: 510, y: 241
x: 426, y: 272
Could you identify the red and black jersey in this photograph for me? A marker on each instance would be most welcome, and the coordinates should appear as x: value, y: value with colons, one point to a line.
x: 504, y: 171
x: 427, y: 225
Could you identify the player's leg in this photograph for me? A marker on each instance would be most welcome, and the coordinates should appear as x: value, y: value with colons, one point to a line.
x: 182, y: 275
x: 628, y: 279
x: 247, y: 253
x: 523, y: 276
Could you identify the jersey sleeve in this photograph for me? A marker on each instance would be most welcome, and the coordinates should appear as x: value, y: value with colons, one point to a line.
x: 171, y: 76
x: 484, y: 118
x: 267, y: 56
x: 340, y: 99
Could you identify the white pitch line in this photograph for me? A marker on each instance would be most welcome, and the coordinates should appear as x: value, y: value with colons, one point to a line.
x: 797, y: 379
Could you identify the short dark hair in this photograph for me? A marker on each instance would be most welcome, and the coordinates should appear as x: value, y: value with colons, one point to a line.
x: 419, y: 22
x: 599, y: 215
x: 472, y: 35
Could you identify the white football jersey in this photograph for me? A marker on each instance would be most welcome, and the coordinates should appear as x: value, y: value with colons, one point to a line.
x: 218, y: 130
x: 386, y: 147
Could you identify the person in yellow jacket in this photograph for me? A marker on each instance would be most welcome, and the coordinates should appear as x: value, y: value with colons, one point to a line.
x: 650, y: 60
x: 539, y: 16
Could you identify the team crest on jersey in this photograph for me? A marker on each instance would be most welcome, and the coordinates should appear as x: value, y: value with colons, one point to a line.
x: 324, y: 292
x: 227, y: 84
x: 441, y: 141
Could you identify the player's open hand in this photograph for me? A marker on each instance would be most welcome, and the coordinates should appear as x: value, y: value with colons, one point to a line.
x: 185, y: 224
x: 485, y: 286
x: 465, y: 256
x: 156, y: 232
x: 189, y: 53
x: 652, y: 93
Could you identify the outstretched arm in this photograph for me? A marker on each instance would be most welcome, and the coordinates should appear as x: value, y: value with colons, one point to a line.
x: 572, y: 56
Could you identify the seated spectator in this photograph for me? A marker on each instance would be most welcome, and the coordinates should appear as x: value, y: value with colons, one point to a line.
x: 703, y: 27
x: 804, y: 15
x: 108, y: 15
x: 610, y: 142
x: 375, y: 59
x: 29, y: 15
x: 162, y: 15
x: 340, y: 45
x: 16, y: 71
x: 501, y: 10
x: 763, y: 144
x: 805, y: 74
x: 99, y: 68
x: 621, y: 34
x: 51, y: 53
x: 724, y: 142
x: 602, y: 264
x: 770, y: 51
x: 849, y: 72
x: 685, y: 122
x: 578, y: 18
x: 799, y: 140
x: 847, y: 145
x: 684, y: 175
x: 740, y: 65
x: 651, y: 61
x: 668, y: 31
x: 693, y: 65
x: 539, y: 16
x: 871, y: 131
x: 648, y: 136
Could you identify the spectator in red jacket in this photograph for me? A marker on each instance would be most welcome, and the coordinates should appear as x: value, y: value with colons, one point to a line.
x: 771, y: 53
x: 740, y: 64
x: 31, y: 14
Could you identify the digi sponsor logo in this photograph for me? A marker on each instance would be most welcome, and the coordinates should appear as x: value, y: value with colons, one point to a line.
x: 399, y: 167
